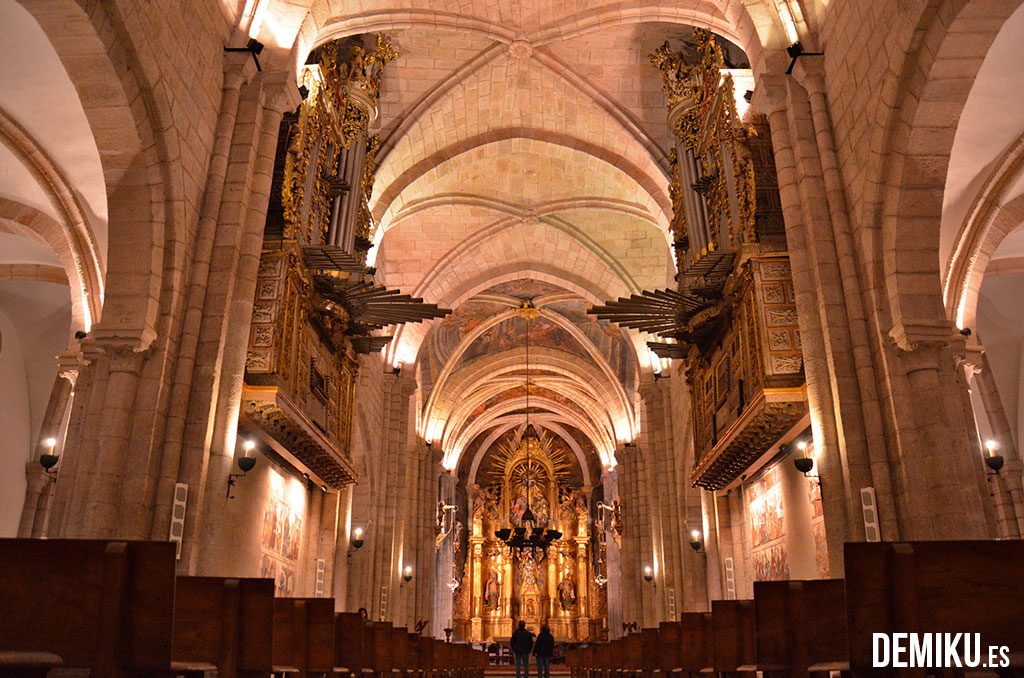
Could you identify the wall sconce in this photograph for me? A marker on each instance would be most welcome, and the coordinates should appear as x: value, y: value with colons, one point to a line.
x: 246, y: 462
x: 695, y: 540
x: 648, y: 574
x: 48, y: 459
x: 992, y: 460
x: 397, y: 369
x: 407, y: 574
x: 804, y: 464
x: 357, y: 538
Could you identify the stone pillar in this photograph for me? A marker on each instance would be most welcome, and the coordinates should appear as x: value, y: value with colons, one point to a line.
x: 100, y: 509
x: 238, y: 69
x: 713, y: 570
x: 1008, y: 484
x: 37, y: 482
x: 799, y: 539
x: 276, y: 94
x: 343, y: 552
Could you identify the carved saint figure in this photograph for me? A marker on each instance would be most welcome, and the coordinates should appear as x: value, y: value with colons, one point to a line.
x: 491, y: 592
x: 567, y: 591
x: 517, y: 510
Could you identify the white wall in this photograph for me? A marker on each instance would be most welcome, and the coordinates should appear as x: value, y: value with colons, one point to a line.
x: 35, y: 319
x: 1001, y: 332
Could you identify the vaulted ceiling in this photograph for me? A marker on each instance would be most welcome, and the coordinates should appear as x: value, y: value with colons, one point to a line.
x: 524, y: 156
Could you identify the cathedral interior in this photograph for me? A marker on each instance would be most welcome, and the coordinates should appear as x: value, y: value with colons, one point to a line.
x: 587, y: 314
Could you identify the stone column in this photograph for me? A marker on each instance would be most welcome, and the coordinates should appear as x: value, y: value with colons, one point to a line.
x: 100, y: 510
x: 1009, y: 489
x: 799, y: 539
x: 713, y: 569
x: 820, y: 312
x: 238, y: 69
x: 277, y: 94
x: 37, y: 481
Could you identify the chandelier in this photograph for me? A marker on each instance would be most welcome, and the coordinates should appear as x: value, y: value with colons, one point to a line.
x: 529, y: 535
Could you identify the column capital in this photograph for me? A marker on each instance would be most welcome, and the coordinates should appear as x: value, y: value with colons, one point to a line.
x: 770, y: 93
x: 280, y: 92
x: 810, y: 73
x: 910, y: 335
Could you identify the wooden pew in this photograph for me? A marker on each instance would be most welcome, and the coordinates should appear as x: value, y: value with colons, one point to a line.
x: 697, y: 652
x: 303, y: 635
x: 934, y: 587
x: 733, y: 635
x: 223, y: 624
x: 800, y: 626
x: 670, y: 647
x: 106, y: 606
x: 353, y: 644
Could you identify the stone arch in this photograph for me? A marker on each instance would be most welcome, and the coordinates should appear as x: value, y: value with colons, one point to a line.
x: 994, y: 214
x: 919, y: 138
x: 127, y: 116
x: 86, y: 299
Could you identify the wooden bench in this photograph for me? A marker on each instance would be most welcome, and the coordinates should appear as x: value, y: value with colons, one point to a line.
x: 934, y: 587
x: 697, y: 651
x: 800, y: 627
x: 101, y: 605
x: 224, y: 625
x: 303, y: 635
x: 732, y: 623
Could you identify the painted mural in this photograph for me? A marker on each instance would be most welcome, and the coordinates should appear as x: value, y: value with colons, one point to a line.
x: 607, y: 338
x: 818, y: 527
x: 280, y: 540
x: 509, y: 335
x: 446, y: 335
x: 767, y: 527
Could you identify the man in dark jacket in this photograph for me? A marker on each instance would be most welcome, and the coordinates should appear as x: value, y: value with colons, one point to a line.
x: 522, y: 643
x: 543, y: 650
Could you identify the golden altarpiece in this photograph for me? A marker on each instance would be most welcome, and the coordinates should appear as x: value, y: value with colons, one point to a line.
x: 501, y: 585
x: 733, y: 317
x: 316, y: 305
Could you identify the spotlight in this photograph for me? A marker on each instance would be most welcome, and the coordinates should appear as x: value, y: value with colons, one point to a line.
x: 966, y: 331
x: 748, y: 95
x: 648, y: 573
x: 407, y: 574
x: 254, y: 46
x: 303, y: 91
x: 397, y: 369
x: 795, y: 51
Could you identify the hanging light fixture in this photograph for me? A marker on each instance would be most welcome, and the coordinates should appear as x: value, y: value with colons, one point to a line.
x: 528, y: 535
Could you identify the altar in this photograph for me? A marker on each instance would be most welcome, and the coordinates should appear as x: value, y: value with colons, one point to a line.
x: 501, y: 585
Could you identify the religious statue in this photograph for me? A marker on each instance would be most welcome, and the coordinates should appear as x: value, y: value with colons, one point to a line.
x: 617, y: 521
x: 517, y: 510
x: 457, y: 537
x: 567, y: 591
x: 491, y: 592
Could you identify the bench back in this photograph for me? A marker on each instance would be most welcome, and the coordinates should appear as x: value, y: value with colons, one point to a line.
x: 97, y: 604
x: 225, y: 622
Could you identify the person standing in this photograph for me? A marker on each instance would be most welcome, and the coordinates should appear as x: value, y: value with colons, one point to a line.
x: 522, y: 643
x: 543, y: 650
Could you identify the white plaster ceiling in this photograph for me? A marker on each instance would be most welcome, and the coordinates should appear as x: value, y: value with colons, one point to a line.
x: 37, y: 93
x: 990, y: 122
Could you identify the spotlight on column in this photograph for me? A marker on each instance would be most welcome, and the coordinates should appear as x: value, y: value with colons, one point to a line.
x: 407, y: 574
x: 648, y: 573
x: 695, y: 540
x: 397, y: 369
x: 992, y: 460
x: 357, y: 538
x: 246, y: 463
x: 48, y: 459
